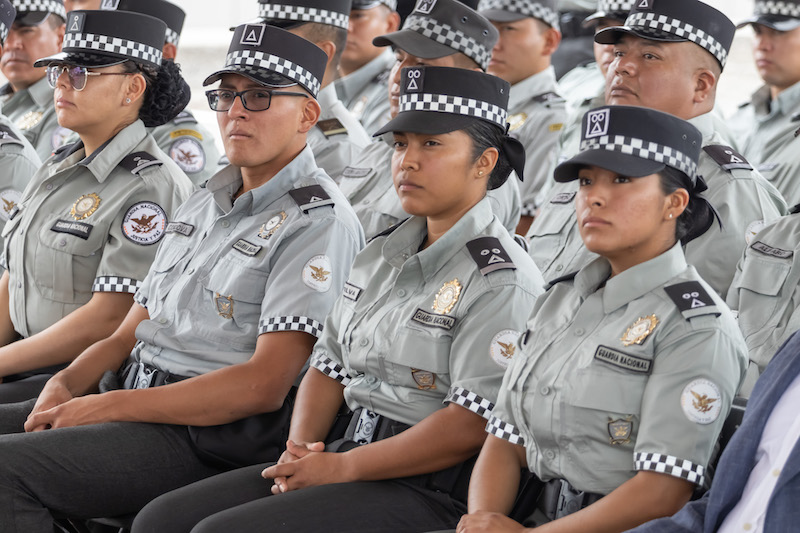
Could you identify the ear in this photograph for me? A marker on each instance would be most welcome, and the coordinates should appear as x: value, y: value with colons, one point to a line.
x: 135, y: 89
x: 170, y: 51
x: 552, y: 38
x: 676, y: 204
x: 392, y: 22
x: 705, y: 83
x: 59, y: 35
x: 309, y: 115
x: 486, y: 163
x: 328, y: 47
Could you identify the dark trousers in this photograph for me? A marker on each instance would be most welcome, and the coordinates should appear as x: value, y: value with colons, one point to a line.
x: 21, y: 388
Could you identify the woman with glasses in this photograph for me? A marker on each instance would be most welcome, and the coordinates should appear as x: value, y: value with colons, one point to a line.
x: 85, y: 231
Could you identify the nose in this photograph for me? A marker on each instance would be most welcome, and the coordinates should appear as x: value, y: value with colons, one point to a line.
x: 237, y: 109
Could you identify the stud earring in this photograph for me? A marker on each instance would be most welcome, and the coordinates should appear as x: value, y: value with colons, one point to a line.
x: 127, y: 100
x: 670, y: 215
x: 480, y: 173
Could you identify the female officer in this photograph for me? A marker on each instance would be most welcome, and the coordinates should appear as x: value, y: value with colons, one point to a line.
x: 628, y: 367
x: 415, y: 346
x: 83, y: 235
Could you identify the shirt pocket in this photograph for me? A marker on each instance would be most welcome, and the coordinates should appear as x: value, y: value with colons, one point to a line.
x: 419, y: 359
x: 549, y: 233
x: 164, y: 272
x: 759, y: 287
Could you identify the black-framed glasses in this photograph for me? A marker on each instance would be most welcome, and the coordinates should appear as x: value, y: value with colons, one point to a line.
x: 221, y: 100
x: 77, y: 75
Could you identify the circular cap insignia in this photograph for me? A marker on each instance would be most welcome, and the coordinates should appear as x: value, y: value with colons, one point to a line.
x: 273, y: 224
x: 701, y: 401
x: 447, y: 297
x: 317, y: 273
x: 144, y: 223
x: 85, y: 206
x: 9, y: 198
x: 504, y: 346
x: 188, y: 153
x: 752, y: 230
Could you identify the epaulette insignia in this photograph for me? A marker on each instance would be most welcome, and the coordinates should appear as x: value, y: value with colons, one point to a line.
x: 726, y: 157
x: 184, y: 117
x: 692, y: 299
x: 556, y: 281
x: 744, y: 104
x: 489, y: 255
x: 795, y: 117
x: 794, y: 210
x: 389, y: 230
x: 563, y: 198
x: 331, y: 127
x: 7, y: 135
x: 548, y: 98
x: 310, y: 197
x: 138, y: 161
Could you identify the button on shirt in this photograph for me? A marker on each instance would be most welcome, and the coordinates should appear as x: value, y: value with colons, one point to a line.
x: 32, y: 110
x: 399, y: 357
x: 229, y: 271
x: 365, y: 92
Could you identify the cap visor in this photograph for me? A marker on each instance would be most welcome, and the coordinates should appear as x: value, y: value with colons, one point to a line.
x: 501, y: 15
x: 776, y: 23
x: 622, y: 164
x: 415, y: 44
x: 79, y: 60
x: 615, y: 33
x: 266, y: 77
x: 426, y: 122
x: 30, y: 18
x: 594, y: 18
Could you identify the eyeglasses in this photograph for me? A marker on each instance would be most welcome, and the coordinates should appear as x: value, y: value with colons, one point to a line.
x: 252, y: 99
x: 77, y: 75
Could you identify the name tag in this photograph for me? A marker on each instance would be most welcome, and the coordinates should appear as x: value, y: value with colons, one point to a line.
x: 79, y: 229
x: 353, y: 172
x: 351, y: 292
x: 180, y: 227
x: 246, y: 248
x: 623, y: 360
x: 433, y: 320
x: 562, y: 198
x: 769, y: 250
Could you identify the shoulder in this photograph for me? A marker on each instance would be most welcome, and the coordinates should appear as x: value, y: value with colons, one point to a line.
x: 499, y: 261
x: 726, y: 158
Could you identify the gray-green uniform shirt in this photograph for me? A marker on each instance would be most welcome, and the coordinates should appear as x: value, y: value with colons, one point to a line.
x: 190, y: 145
x: 365, y: 92
x: 622, y: 374
x: 416, y: 329
x: 88, y: 224
x: 275, y: 259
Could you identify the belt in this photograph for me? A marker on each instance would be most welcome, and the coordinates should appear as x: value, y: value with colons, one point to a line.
x: 559, y: 499
x: 367, y: 426
x: 138, y: 375
x: 571, y: 23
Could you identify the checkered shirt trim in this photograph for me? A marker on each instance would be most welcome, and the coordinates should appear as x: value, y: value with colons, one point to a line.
x: 504, y: 430
x: 458, y: 105
x: 448, y: 36
x: 615, y: 6
x: 104, y: 43
x: 330, y: 368
x: 528, y: 210
x: 786, y: 9
x: 523, y: 7
x: 172, y: 37
x: 115, y: 284
x: 306, y: 14
x: 644, y: 149
x: 667, y: 464
x: 50, y: 6
x: 291, y: 323
x: 470, y: 400
x: 254, y: 61
x: 140, y: 299
x: 673, y: 26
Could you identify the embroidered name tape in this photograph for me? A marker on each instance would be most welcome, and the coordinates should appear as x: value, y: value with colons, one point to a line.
x: 434, y: 320
x: 351, y: 292
x: 622, y: 360
x: 79, y: 229
x: 770, y: 250
x: 180, y: 227
x: 247, y: 248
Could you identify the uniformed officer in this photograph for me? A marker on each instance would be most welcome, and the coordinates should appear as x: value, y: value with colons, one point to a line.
x: 628, y: 367
x: 338, y: 137
x: 576, y: 46
x: 365, y: 67
x: 529, y: 34
x: 415, y: 346
x: 367, y: 181
x: 766, y: 127
x: 83, y: 234
x: 683, y: 83
x: 224, y: 321
x: 188, y: 143
x: 38, y: 31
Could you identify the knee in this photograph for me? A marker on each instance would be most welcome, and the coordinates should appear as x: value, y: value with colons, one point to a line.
x: 159, y: 515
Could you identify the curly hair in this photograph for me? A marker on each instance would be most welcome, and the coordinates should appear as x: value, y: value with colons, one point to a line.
x: 167, y: 93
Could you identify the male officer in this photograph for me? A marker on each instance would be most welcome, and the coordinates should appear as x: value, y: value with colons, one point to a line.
x: 529, y: 35
x: 766, y: 127
x: 366, y: 67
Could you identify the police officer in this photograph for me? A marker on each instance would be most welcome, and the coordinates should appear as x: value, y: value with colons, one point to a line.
x: 416, y: 344
x: 365, y: 67
x: 37, y: 32
x: 83, y: 235
x: 683, y: 83
x: 529, y: 35
x: 223, y: 323
x: 766, y: 126
x: 628, y: 368
x: 367, y: 181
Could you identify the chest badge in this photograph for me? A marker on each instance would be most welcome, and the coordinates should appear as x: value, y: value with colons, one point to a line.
x: 620, y: 430
x: 516, y: 121
x: 640, y: 330
x: 425, y: 380
x: 272, y: 225
x: 447, y: 297
x: 85, y: 206
x: 224, y: 305
x: 30, y: 120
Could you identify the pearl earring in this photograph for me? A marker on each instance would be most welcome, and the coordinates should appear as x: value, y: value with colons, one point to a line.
x: 127, y: 100
x: 670, y: 215
x: 480, y: 173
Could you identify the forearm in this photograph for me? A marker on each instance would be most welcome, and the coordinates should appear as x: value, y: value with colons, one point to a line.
x: 7, y: 331
x: 495, y: 479
x: 319, y: 399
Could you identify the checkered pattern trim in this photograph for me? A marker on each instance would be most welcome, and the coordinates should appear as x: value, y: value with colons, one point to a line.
x: 140, y: 299
x: 528, y: 210
x: 254, y: 60
x: 504, y: 430
x: 3, y: 33
x: 305, y: 14
x: 458, y: 105
x: 666, y: 24
x: 644, y: 149
x: 786, y: 9
x: 330, y: 368
x: 449, y: 36
x: 291, y: 323
x: 615, y: 6
x: 172, y: 37
x: 471, y: 401
x: 523, y: 7
x: 50, y: 6
x: 667, y: 464
x: 104, y: 43
x: 115, y: 284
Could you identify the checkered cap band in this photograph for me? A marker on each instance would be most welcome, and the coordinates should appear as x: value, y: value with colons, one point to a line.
x: 644, y: 149
x: 140, y: 299
x: 115, y: 284
x: 254, y: 61
x: 304, y: 14
x: 3, y: 35
x: 615, y: 6
x: 290, y: 323
x: 529, y: 210
x: 457, y: 105
x: 104, y: 43
x: 523, y: 7
x: 470, y: 400
x: 504, y: 430
x: 778, y: 7
x: 50, y: 6
x: 448, y: 36
x: 663, y: 23
x: 667, y: 464
x: 172, y: 37
x: 330, y: 368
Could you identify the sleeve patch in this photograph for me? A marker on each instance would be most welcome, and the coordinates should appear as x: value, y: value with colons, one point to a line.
x: 331, y: 127
x: 138, y: 161
x: 310, y: 197
x: 115, y: 284
x: 330, y: 368
x: 667, y: 464
x: 144, y: 223
x: 726, y: 157
x: 701, y: 401
x: 470, y: 400
x: 504, y: 430
x: 489, y: 255
x: 291, y: 323
x: 503, y: 347
x: 317, y: 273
x: 188, y: 153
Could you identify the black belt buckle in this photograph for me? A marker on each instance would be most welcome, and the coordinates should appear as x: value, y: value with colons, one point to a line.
x: 363, y: 426
x: 569, y: 500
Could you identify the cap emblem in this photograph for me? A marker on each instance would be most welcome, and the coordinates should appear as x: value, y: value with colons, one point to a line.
x: 110, y: 5
x: 76, y: 22
x: 425, y: 6
x: 253, y: 34
x: 414, y: 80
x: 598, y: 123
x: 645, y: 4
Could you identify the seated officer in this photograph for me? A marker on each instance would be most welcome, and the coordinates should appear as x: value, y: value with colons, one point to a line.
x: 223, y: 323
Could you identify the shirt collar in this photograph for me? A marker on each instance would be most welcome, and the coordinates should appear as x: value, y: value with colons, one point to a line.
x: 523, y: 91
x: 327, y: 97
x: 103, y: 161
x: 704, y: 123
x: 351, y: 85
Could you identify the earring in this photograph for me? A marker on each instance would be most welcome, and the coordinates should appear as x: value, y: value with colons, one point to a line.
x: 670, y: 215
x: 480, y: 173
x: 127, y: 100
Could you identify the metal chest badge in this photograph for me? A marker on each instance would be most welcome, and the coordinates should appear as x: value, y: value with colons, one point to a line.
x: 85, y: 206
x: 447, y: 297
x: 30, y: 120
x: 224, y: 305
x: 516, y: 121
x: 272, y: 225
x: 620, y: 430
x: 425, y: 380
x: 640, y: 330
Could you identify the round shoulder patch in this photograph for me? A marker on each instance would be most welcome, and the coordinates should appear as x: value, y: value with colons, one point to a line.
x: 144, y: 223
x: 9, y: 198
x: 752, y: 230
x: 317, y: 273
x: 188, y: 153
x: 504, y: 346
x: 701, y: 401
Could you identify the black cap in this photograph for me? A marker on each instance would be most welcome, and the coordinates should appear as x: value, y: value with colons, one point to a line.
x: 439, y: 28
x: 172, y: 15
x: 635, y: 142
x: 676, y: 21
x: 512, y: 10
x: 609, y: 9
x: 780, y: 16
x: 7, y: 15
x: 331, y: 12
x: 34, y: 12
x: 103, y: 38
x: 274, y: 57
x: 369, y: 4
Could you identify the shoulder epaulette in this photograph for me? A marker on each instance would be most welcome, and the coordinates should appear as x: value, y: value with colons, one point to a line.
x: 331, y: 127
x: 184, y: 117
x: 794, y: 210
x: 489, y: 255
x: 549, y: 97
x: 795, y: 117
x: 726, y: 157
x: 138, y: 161
x: 7, y: 136
x: 692, y: 299
x: 389, y: 230
x: 556, y: 281
x: 310, y: 197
